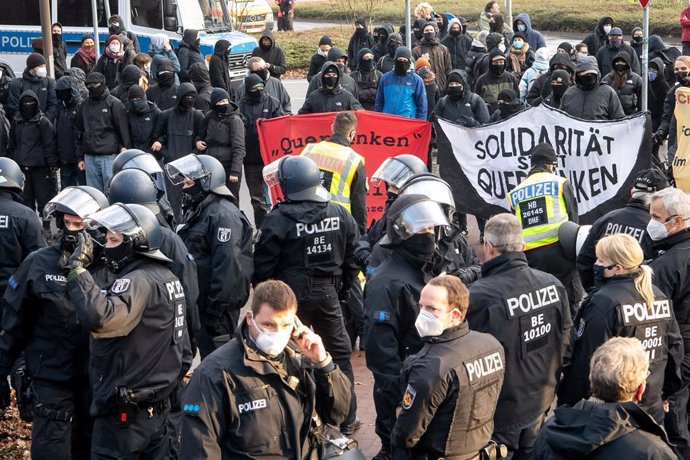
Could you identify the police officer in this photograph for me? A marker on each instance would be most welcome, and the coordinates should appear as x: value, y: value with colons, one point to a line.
x: 260, y: 395
x: 137, y: 330
x: 390, y: 303
x: 452, y: 384
x: 542, y: 202
x: 632, y: 219
x: 527, y: 311
x: 307, y: 242
x: 41, y: 321
x: 219, y: 237
x: 20, y: 227
x: 342, y: 169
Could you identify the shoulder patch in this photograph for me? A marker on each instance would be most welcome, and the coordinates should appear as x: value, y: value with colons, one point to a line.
x: 121, y: 285
x: 191, y: 408
x: 382, y: 315
x: 408, y: 397
x: 580, y: 328
x: 12, y: 282
x: 224, y: 234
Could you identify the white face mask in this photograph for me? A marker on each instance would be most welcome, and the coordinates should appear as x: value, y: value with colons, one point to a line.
x: 502, y: 48
x: 114, y: 48
x: 656, y: 230
x: 41, y: 72
x: 271, y: 343
x: 428, y: 325
x: 607, y: 29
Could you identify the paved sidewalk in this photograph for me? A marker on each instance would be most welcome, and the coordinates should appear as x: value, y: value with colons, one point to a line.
x: 364, y: 387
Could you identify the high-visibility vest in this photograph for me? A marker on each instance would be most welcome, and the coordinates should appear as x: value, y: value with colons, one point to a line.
x: 338, y: 165
x: 540, y: 207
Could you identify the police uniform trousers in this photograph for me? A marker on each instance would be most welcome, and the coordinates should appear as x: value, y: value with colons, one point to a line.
x: 520, y: 442
x: 676, y: 423
x: 551, y: 259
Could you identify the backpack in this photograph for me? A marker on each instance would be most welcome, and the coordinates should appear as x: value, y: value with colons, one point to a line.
x: 5, y: 81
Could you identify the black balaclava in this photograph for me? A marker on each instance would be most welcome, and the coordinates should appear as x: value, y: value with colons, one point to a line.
x: 28, y: 107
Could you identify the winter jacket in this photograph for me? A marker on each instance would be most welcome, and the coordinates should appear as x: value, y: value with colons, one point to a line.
x: 60, y: 58
x: 357, y: 43
x: 275, y: 88
x: 598, y: 38
x: 657, y: 94
x: 367, y: 84
x: 188, y: 54
x: 32, y: 142
x: 630, y: 94
x: 668, y: 55
x: 128, y: 34
x: 267, y: 107
x: 539, y: 67
x: 66, y: 122
x: 469, y: 111
x: 112, y: 68
x: 199, y: 77
x: 346, y: 82
x: 102, y: 127
x: 130, y: 76
x: 380, y: 49
x: 142, y: 126
x: 488, y: 86
x: 458, y: 47
x: 177, y: 128
x: 402, y: 95
x: 439, y: 57
x: 330, y: 100
x: 224, y: 138
x: 317, y: 61
x: 474, y: 55
x: 481, y: 66
x: 387, y: 62
x: 158, y: 56
x: 274, y: 55
x: 218, y: 66
x: 541, y: 87
x: 165, y: 97
x: 606, y: 54
x: 44, y: 88
x: 534, y: 38
x: 599, y: 103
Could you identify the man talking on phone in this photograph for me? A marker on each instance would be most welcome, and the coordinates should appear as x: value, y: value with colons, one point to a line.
x: 267, y: 391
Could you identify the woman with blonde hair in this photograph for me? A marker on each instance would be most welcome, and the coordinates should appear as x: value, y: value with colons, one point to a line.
x: 625, y: 304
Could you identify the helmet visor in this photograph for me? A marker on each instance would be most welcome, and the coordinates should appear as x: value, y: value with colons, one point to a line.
x: 420, y: 216
x: 271, y: 173
x: 72, y: 201
x: 147, y: 163
x: 115, y: 218
x: 391, y: 171
x: 187, y: 167
x: 435, y: 190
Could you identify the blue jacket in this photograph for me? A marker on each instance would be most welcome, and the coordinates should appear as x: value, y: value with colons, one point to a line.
x: 402, y: 95
x: 534, y: 38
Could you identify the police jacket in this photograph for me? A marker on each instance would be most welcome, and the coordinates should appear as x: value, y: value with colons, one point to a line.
x: 142, y: 126
x: 600, y: 430
x: 137, y: 331
x: 304, y: 240
x: 32, y: 142
x: 20, y: 234
x: 102, y: 127
x: 218, y: 236
x: 616, y: 309
x: 40, y: 319
x: 455, y: 256
x: 632, y: 220
x: 224, y: 137
x: 672, y: 276
x: 527, y: 311
x: 267, y: 107
x: 43, y: 88
x: 66, y: 122
x: 451, y: 389
x: 178, y: 127
x: 241, y: 404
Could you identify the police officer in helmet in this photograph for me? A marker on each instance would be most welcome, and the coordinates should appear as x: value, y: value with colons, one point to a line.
x: 219, y: 237
x: 41, y: 321
x: 137, y: 325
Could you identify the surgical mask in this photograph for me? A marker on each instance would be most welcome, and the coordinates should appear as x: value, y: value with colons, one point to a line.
x: 271, y: 343
x: 114, y: 48
x: 586, y: 82
x: 42, y: 72
x: 428, y: 325
x: 607, y: 29
x: 139, y: 105
x: 429, y: 36
x: 518, y: 45
x: 522, y: 27
x: 656, y: 230
x: 652, y: 75
x: 598, y: 271
x: 502, y: 48
x: 402, y: 67
x: 116, y: 258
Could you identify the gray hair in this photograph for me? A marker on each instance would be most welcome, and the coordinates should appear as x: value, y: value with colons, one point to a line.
x: 256, y: 63
x: 617, y: 369
x: 504, y: 232
x: 676, y: 203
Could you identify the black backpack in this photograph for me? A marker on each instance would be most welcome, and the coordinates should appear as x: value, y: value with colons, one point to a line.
x: 5, y: 81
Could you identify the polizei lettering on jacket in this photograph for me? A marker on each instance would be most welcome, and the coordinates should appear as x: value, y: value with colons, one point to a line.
x: 639, y: 313
x: 533, y: 191
x: 534, y: 300
x: 484, y: 366
x: 329, y: 224
x: 252, y: 405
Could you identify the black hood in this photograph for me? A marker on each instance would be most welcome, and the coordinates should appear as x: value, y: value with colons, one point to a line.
x: 599, y: 29
x: 388, y: 28
x: 661, y: 67
x: 29, y: 94
x: 69, y: 82
x: 493, y: 40
x: 183, y: 90
x: 328, y: 65
x: 459, y: 75
x: 165, y: 65
x: 622, y: 55
x: 130, y: 75
x: 189, y: 37
x: 562, y: 59
x: 118, y: 18
x: 394, y: 37
x: 656, y: 44
x: 221, y: 47
x: 268, y: 34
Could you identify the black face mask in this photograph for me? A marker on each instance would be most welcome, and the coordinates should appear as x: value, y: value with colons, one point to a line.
x: 586, y: 82
x: 361, y: 32
x: 57, y: 39
x: 116, y: 258
x: 392, y: 47
x: 558, y: 91
x: 330, y: 82
x: 417, y: 33
x: 222, y: 109
x: 680, y: 76
x: 421, y: 245
x: 98, y: 91
x: 598, y: 271
x: 454, y: 32
x: 139, y: 105
x: 113, y: 30
x: 637, y: 39
x: 69, y: 240
x: 255, y: 96
x: 366, y: 65
x: 187, y: 102
x: 265, y: 46
x: 165, y: 79
x: 430, y: 36
x: 28, y: 110
x: 192, y: 196
x: 455, y: 93
x: 263, y: 73
x: 620, y: 68
x: 497, y: 69
x: 64, y: 95
x: 383, y: 38
x: 401, y: 68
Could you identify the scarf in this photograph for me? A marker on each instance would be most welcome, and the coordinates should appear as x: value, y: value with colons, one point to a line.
x: 115, y: 56
x: 87, y: 56
x: 517, y: 58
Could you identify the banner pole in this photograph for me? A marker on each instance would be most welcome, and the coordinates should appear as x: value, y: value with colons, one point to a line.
x: 645, y: 57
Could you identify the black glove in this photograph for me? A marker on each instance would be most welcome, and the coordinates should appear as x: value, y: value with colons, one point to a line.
x: 467, y: 122
x: 657, y: 138
x: 83, y: 252
x: 362, y: 254
x: 4, y: 393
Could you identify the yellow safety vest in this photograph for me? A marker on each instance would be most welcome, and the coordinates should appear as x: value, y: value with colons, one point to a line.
x: 338, y: 165
x: 539, y: 205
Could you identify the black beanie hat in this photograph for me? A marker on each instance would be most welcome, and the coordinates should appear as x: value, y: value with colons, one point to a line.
x: 251, y: 81
x: 34, y: 60
x: 218, y: 94
x: 543, y: 154
x: 326, y: 40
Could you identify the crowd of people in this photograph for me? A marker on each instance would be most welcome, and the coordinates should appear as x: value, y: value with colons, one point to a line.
x: 542, y: 349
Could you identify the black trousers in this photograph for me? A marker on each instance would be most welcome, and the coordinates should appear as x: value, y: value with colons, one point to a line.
x: 676, y: 423
x: 39, y: 188
x: 551, y: 259
x: 225, y: 331
x: 255, y: 182
x: 686, y: 48
x: 387, y: 398
x: 145, y: 437
x: 520, y: 441
x: 71, y: 175
x: 353, y: 312
x: 233, y: 186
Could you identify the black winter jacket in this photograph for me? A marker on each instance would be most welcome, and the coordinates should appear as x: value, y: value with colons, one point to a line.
x: 541, y: 87
x: 188, y: 54
x: 330, y: 100
x: 177, y: 128
x: 367, y: 84
x: 66, y: 122
x: 657, y: 94
x: 142, y: 126
x: 357, y: 43
x: 199, y: 76
x: 630, y: 94
x: 32, y: 142
x: 112, y: 69
x: 458, y: 47
x: 102, y: 126
x: 606, y: 54
x: 218, y: 66
x: 469, y: 111
x: 43, y: 88
x: 267, y: 107
x: 598, y: 38
x: 224, y: 137
x: 274, y: 55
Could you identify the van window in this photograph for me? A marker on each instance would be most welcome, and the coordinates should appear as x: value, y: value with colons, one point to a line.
x: 16, y: 13
x: 77, y: 13
x: 147, y: 13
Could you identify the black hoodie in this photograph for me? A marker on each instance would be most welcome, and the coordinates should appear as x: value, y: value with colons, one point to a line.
x: 380, y: 49
x: 470, y: 110
x: 189, y: 53
x: 598, y: 38
x: 274, y: 55
x: 165, y: 97
x: 32, y: 142
x: 387, y: 62
x: 657, y: 93
x: 178, y: 127
x: 66, y: 121
x: 253, y: 110
x: 130, y: 76
x: 358, y: 41
x: 200, y: 78
x: 127, y: 33
x: 218, y: 66
x: 142, y: 124
x: 330, y: 100
x: 542, y: 84
x: 224, y: 137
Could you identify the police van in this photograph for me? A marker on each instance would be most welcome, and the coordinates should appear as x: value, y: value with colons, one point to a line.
x: 20, y: 24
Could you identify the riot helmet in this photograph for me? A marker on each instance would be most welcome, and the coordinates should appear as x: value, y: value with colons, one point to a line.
x: 204, y: 169
x: 11, y: 176
x: 138, y: 159
x: 431, y: 186
x: 78, y: 201
x: 409, y: 215
x: 299, y: 179
x: 134, y: 186
x: 396, y: 170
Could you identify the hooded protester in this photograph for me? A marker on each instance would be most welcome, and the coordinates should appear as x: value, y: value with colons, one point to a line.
x: 626, y: 83
x: 520, y: 56
x: 541, y: 88
x: 380, y: 49
x: 142, y: 116
x: 636, y: 41
x: 442, y: 25
x: 199, y: 77
x: 559, y: 82
x: 69, y: 97
x: 615, y: 45
x: 668, y: 55
x: 658, y: 87
x: 117, y: 27
x: 35, y: 77
x: 330, y: 97
x: 79, y: 79
x: 523, y: 24
x: 159, y: 50
x: 589, y: 99
x: 189, y: 52
x: 667, y: 127
x: 320, y: 57
x: 256, y: 105
x: 274, y: 87
x: 458, y: 43
x: 367, y: 78
x: 438, y: 54
x: 417, y: 31
x: 32, y: 145
x: 433, y: 94
x: 475, y: 55
x: 164, y: 93
x: 387, y: 62
x: 494, y: 41
x: 59, y: 51
x: 272, y: 54
x: 222, y: 136
x: 178, y: 127
x: 85, y: 56
x: 360, y: 39
x: 489, y: 85
x: 599, y: 38
x: 219, y: 65
x: 339, y: 57
x: 509, y: 104
x: 401, y: 92
x: 130, y: 76
x: 113, y: 61
x: 539, y: 67
x: 460, y: 105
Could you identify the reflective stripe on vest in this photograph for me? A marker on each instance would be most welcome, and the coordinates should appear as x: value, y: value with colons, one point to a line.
x: 540, y: 207
x: 338, y: 165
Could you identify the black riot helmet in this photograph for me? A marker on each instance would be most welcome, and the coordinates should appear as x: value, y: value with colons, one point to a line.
x: 134, y: 186
x: 80, y: 201
x: 299, y: 178
x: 138, y: 159
x: 396, y: 170
x: 411, y: 214
x: 203, y: 168
x: 11, y: 176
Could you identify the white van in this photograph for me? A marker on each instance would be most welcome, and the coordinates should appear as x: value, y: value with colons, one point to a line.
x: 20, y: 24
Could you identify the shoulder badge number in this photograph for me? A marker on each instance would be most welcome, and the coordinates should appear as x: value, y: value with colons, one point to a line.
x: 408, y: 398
x: 224, y: 234
x: 120, y: 286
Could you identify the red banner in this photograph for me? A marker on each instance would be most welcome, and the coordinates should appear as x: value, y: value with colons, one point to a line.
x: 378, y: 137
